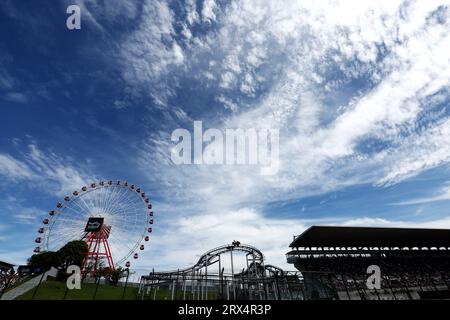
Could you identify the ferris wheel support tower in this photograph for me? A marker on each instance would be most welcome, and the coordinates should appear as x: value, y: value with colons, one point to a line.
x: 96, y: 237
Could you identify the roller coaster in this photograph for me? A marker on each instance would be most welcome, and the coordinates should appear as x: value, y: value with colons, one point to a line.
x: 213, y: 256
x: 207, y: 279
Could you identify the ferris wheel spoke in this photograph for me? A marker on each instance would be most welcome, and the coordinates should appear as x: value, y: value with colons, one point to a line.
x: 84, y: 202
x: 111, y: 200
x: 63, y: 238
x: 126, y: 196
x: 102, y: 197
x: 84, y: 208
x: 106, y: 199
x: 91, y: 201
x: 72, y: 222
x: 118, y: 199
x: 79, y: 201
x: 121, y: 242
x: 112, y: 203
x: 122, y: 212
x: 88, y: 202
x: 127, y: 222
x: 75, y: 202
x: 97, y: 199
x: 126, y: 251
x: 77, y: 213
x: 131, y: 202
x: 55, y: 241
x: 121, y: 208
x: 124, y: 192
x: 106, y: 196
x: 123, y: 198
x: 124, y: 209
x: 71, y: 217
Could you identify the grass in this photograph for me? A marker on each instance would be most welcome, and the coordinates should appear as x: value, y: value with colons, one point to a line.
x: 55, y: 290
x: 10, y: 287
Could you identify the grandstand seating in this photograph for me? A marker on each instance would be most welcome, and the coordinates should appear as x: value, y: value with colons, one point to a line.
x: 336, y: 272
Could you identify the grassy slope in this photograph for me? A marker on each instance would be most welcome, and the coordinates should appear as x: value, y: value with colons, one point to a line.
x: 54, y: 290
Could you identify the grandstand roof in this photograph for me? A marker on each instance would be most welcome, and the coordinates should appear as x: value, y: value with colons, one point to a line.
x: 5, y: 265
x: 327, y: 236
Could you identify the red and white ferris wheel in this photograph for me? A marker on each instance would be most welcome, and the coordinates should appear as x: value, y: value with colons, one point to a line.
x: 126, y: 218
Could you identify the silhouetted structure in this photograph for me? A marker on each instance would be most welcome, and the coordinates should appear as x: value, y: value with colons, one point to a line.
x: 414, y: 263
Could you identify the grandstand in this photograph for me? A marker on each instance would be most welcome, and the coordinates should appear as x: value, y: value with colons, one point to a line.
x: 414, y: 263
x: 5, y: 266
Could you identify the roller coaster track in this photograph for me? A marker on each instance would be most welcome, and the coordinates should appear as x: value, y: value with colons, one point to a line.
x: 273, y: 270
x: 210, y: 257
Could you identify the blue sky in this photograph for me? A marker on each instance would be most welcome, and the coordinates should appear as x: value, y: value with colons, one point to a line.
x: 359, y: 91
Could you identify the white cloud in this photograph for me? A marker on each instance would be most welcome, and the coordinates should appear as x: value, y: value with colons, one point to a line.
x: 17, y: 257
x: 151, y: 51
x: 6, y: 80
x: 384, y: 223
x: 419, y: 152
x: 17, y: 97
x: 441, y: 195
x: 16, y: 209
x: 208, y: 14
x: 51, y: 172
x: 397, y: 48
x: 14, y: 169
x: 95, y: 12
x: 191, y: 12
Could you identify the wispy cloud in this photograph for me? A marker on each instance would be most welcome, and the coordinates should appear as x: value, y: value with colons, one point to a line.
x: 151, y: 51
x: 399, y: 50
x: 14, y: 169
x: 442, y: 194
x: 17, y: 97
x: 54, y: 173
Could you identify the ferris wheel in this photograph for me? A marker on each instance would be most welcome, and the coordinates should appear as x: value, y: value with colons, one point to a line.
x: 125, y: 209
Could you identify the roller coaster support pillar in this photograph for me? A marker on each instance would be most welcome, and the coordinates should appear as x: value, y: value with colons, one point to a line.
x: 184, y: 287
x: 232, y: 275
x: 176, y: 284
x: 264, y: 282
x: 221, y: 279
x: 173, y: 289
x: 206, y: 282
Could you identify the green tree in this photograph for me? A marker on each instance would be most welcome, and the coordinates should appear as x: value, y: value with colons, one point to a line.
x: 46, y: 259
x: 116, y: 275
x: 72, y: 253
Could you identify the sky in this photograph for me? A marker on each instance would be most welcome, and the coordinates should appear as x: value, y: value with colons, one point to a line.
x: 358, y: 90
